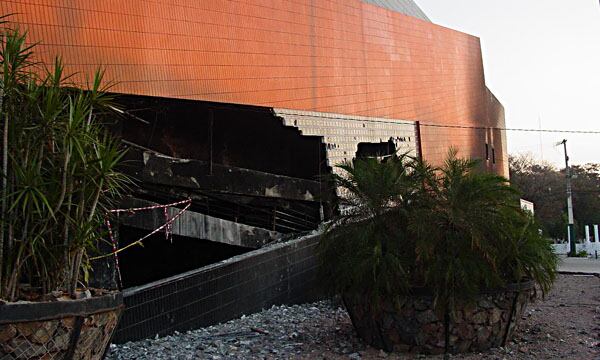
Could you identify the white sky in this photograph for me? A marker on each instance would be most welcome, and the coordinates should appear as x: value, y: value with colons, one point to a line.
x: 542, y: 59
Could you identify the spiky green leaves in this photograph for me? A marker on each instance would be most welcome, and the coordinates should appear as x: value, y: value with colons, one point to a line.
x: 454, y: 230
x: 61, y: 170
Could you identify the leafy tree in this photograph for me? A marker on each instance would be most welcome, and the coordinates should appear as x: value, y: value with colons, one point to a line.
x: 586, y: 195
x: 544, y: 185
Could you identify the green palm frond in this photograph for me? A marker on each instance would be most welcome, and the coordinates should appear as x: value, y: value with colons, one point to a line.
x: 454, y: 230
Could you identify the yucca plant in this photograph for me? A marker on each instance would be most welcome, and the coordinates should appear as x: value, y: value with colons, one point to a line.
x: 58, y: 173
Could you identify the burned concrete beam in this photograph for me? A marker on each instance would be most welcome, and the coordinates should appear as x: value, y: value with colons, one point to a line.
x: 198, y: 226
x: 200, y: 175
x: 275, y: 214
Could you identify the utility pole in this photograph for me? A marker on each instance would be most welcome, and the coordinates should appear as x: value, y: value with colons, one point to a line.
x: 573, y: 246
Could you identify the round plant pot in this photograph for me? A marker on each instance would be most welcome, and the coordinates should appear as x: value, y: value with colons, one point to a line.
x: 412, y: 325
x: 69, y: 329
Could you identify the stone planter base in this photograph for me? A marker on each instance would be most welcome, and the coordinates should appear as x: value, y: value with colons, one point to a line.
x: 72, y: 329
x: 415, y: 327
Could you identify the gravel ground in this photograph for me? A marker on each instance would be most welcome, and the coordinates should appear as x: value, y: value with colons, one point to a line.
x: 566, y: 325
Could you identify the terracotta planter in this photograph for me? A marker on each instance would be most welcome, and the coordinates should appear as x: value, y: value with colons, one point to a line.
x: 71, y: 329
x: 413, y: 326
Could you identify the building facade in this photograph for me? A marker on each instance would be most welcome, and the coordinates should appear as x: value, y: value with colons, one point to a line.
x: 342, y: 65
x: 240, y: 107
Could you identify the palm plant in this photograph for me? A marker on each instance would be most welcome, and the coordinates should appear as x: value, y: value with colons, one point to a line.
x: 454, y: 230
x: 472, y: 234
x: 58, y: 174
x: 366, y: 249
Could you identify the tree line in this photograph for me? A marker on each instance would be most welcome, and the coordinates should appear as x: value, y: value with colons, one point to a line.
x: 545, y: 185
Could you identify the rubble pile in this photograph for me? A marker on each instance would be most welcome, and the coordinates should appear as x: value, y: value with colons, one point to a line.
x: 280, y: 332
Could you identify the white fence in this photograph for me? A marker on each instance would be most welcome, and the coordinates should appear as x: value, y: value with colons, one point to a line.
x: 589, y: 247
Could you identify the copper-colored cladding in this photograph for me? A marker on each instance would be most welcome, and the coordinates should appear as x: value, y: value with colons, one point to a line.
x: 339, y: 56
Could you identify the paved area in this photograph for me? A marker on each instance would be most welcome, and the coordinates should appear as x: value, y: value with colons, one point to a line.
x: 579, y: 265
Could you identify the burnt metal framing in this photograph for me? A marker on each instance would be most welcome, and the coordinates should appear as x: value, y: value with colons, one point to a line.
x: 276, y: 215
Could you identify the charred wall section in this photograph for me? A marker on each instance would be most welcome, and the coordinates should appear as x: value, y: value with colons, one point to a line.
x: 232, y: 135
x: 254, y: 176
x: 251, y: 181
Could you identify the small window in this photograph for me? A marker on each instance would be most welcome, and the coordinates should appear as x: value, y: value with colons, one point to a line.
x: 487, y: 151
x: 493, y: 156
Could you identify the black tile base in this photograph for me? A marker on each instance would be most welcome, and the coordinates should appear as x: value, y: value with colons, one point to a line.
x: 280, y: 274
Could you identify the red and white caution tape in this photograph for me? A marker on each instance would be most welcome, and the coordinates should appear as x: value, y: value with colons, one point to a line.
x: 167, y: 226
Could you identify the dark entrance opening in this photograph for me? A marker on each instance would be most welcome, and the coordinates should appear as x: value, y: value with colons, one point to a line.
x: 376, y: 150
x: 159, y: 258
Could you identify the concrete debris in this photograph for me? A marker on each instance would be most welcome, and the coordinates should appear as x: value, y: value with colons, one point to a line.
x: 281, y: 332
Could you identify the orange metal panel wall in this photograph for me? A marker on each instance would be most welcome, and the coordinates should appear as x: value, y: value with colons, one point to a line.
x: 340, y: 56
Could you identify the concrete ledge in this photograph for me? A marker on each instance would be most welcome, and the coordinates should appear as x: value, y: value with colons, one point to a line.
x: 198, y: 226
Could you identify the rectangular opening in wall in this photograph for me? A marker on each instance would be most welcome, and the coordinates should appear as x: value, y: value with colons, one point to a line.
x: 160, y: 258
x: 493, y: 156
x: 487, y: 151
